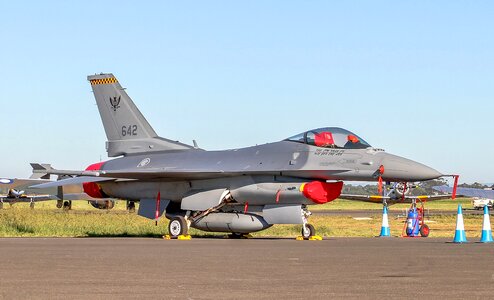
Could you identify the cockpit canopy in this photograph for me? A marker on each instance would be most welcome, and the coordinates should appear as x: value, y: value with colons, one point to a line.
x: 330, y: 137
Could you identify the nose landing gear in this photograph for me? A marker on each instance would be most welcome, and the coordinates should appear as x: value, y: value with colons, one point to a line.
x: 308, y: 231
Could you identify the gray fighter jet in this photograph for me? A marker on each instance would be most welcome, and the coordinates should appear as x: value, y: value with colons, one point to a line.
x: 237, y: 191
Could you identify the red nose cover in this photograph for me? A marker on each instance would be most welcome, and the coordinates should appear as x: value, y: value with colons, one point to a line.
x: 91, y: 188
x: 322, y: 192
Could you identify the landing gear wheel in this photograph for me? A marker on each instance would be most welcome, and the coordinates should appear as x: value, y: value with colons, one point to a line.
x: 131, y: 206
x: 424, y: 230
x: 308, y: 230
x: 1, y: 205
x: 59, y: 203
x: 236, y: 235
x: 67, y: 205
x: 31, y: 205
x: 177, y: 226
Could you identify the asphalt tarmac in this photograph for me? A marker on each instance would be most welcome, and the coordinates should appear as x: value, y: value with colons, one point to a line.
x: 216, y: 268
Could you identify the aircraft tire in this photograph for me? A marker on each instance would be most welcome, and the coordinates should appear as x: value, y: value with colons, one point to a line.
x: 1, y: 205
x: 131, y: 206
x: 236, y: 235
x: 67, y: 205
x: 424, y: 230
x: 59, y: 203
x: 31, y: 205
x: 308, y: 231
x: 177, y: 226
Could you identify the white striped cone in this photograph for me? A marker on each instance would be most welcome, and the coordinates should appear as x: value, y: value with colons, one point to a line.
x: 385, y: 232
x: 460, y: 236
x: 486, y: 227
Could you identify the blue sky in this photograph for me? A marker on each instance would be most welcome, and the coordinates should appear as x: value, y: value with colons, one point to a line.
x: 412, y: 77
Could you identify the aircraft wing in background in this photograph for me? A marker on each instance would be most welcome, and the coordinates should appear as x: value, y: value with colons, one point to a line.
x: 468, y: 192
x: 393, y: 200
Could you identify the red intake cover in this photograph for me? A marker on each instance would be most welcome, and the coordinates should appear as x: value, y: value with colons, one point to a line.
x: 322, y: 192
x: 91, y: 188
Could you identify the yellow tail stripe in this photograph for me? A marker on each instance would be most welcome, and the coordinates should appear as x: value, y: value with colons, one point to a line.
x: 103, y: 81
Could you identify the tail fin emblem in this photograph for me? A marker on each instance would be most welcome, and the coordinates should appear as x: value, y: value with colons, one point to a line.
x: 115, y: 102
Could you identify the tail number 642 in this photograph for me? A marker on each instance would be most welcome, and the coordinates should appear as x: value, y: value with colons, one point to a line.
x: 129, y: 130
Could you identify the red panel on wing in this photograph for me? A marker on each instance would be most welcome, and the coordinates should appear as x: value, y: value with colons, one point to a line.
x: 91, y: 188
x: 323, y: 139
x: 322, y: 192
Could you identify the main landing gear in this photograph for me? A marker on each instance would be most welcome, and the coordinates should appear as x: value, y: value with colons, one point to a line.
x: 178, y: 226
x: 131, y: 206
x: 67, y: 205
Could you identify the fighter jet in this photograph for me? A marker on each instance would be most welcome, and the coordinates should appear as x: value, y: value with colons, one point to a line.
x: 236, y: 191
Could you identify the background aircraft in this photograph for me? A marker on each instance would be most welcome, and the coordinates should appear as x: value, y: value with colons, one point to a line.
x: 237, y: 191
x: 399, y: 192
x: 482, y: 197
x: 468, y: 192
x: 17, y: 190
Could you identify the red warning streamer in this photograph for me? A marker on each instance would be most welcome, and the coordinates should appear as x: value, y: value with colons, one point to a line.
x: 455, y: 187
x: 157, y: 213
x: 278, y: 194
x: 380, y: 180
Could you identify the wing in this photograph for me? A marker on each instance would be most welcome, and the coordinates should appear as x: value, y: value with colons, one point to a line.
x: 41, y: 170
x: 468, y: 192
x: 393, y: 200
x: 28, y: 198
x: 430, y: 197
x: 364, y: 198
x: 17, y: 183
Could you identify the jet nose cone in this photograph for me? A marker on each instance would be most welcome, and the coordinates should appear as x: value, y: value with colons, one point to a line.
x: 401, y: 169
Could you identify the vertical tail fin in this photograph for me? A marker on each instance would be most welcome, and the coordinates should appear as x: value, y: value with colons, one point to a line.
x: 127, y: 130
